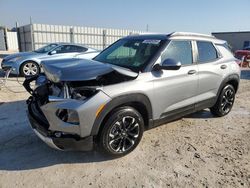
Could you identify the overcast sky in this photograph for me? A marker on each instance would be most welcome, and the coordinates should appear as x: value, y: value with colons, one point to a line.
x: 161, y: 15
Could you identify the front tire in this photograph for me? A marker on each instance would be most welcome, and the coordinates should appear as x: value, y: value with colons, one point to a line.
x: 29, y: 68
x: 122, y: 132
x: 224, y: 102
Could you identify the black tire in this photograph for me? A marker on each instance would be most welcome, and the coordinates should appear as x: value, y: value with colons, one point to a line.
x: 224, y: 102
x: 34, y: 66
x: 122, y: 132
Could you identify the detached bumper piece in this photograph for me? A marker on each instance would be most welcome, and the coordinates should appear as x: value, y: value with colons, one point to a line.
x: 56, y: 140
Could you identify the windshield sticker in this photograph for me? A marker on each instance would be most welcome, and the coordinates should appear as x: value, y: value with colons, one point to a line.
x: 151, y: 41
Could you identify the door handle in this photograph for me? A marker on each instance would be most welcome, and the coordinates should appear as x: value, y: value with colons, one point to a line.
x: 223, y: 66
x: 192, y: 72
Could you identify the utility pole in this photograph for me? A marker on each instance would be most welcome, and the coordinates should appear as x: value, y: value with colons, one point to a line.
x: 17, y: 25
x: 30, y: 20
x: 18, y: 36
x: 32, y: 35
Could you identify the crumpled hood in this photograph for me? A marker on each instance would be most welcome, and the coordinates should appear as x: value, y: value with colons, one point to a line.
x: 80, y: 70
x: 21, y: 54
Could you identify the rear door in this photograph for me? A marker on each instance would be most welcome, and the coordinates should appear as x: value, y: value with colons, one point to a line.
x: 211, y: 71
x: 175, y: 90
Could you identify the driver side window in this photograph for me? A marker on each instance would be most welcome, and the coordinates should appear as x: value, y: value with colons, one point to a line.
x: 61, y: 49
x: 180, y: 51
x: 64, y: 49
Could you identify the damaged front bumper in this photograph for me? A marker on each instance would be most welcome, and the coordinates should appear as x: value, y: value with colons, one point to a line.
x: 64, y: 123
x: 64, y: 142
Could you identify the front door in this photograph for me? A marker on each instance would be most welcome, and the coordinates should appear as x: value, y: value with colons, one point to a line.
x: 175, y: 90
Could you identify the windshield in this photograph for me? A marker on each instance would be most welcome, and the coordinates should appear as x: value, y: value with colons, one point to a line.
x: 46, y: 49
x: 130, y: 53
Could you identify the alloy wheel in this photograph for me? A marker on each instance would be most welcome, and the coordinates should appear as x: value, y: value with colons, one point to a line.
x: 123, y: 134
x: 30, y: 69
x: 227, y: 100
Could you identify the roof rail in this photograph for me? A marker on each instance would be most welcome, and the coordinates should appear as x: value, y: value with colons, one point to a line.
x: 191, y: 34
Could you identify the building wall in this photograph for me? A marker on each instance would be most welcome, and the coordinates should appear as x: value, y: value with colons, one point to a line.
x: 24, y: 37
x: 12, y: 42
x: 2, y: 40
x: 8, y: 40
x: 34, y: 36
x: 235, y: 39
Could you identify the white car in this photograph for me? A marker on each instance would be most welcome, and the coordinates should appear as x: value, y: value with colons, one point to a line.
x: 27, y: 63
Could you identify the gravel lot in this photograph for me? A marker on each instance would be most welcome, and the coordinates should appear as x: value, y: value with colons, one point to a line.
x: 195, y: 151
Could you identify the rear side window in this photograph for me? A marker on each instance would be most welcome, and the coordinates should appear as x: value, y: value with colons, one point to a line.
x: 78, y: 49
x: 207, y: 52
x: 70, y: 49
x: 180, y: 51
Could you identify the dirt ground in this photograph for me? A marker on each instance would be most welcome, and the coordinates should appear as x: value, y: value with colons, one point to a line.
x: 195, y: 151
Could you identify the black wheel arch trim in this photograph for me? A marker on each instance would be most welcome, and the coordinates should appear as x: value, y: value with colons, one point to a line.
x: 231, y: 77
x: 120, y: 101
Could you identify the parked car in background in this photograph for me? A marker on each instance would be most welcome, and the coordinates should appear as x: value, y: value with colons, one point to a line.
x: 137, y: 83
x: 244, y: 56
x: 247, y: 48
x: 27, y: 63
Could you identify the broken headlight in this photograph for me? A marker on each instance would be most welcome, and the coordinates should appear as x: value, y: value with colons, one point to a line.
x: 68, y: 116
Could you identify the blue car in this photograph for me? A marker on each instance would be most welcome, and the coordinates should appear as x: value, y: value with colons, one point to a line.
x: 27, y: 63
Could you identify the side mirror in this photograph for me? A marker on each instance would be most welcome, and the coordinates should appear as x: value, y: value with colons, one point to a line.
x: 168, y: 64
x: 52, y: 52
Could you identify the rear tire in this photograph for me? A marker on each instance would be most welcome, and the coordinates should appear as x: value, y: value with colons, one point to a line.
x: 122, y: 132
x: 29, y: 68
x: 224, y: 102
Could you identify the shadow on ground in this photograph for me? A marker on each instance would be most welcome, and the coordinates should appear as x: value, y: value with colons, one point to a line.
x: 21, y: 149
x: 201, y: 114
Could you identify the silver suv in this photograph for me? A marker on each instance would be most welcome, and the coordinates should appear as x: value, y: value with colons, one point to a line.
x: 137, y: 83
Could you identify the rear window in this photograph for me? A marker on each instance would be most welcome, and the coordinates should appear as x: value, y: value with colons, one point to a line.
x: 207, y: 52
x: 78, y: 49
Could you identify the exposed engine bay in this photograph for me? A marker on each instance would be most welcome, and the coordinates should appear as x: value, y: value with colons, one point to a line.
x: 76, y: 79
x: 78, y: 90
